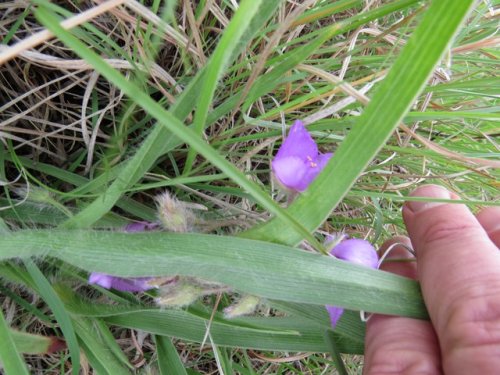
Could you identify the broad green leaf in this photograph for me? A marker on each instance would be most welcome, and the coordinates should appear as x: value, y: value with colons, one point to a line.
x: 264, y: 269
x: 389, y: 104
x: 288, y: 334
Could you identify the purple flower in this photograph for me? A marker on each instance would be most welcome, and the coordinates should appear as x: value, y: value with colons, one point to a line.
x: 131, y: 284
x: 357, y: 251
x: 298, y: 160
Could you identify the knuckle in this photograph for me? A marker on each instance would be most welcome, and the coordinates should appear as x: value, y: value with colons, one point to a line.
x: 448, y: 230
x: 475, y: 324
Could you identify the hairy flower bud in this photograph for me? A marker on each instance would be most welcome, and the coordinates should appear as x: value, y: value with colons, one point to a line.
x: 184, y: 290
x: 179, y: 294
x: 173, y: 214
x: 246, y: 305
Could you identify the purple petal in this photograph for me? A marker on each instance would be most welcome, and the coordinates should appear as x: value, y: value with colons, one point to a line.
x: 299, y: 143
x: 140, y: 226
x: 132, y: 284
x: 335, y: 314
x: 314, y: 167
x: 357, y: 251
x: 290, y: 171
x: 322, y: 160
x: 101, y: 279
x: 298, y: 162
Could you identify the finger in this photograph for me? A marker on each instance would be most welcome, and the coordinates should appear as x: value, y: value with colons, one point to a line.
x: 397, y: 345
x: 489, y: 218
x: 459, y: 270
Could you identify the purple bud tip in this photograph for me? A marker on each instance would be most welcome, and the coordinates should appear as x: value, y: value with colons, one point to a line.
x: 335, y: 314
x: 132, y: 284
x: 141, y: 226
x: 357, y: 251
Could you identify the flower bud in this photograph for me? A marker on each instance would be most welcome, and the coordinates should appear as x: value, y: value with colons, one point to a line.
x: 246, y: 305
x: 140, y: 226
x: 173, y: 214
x: 178, y: 294
x: 35, y: 194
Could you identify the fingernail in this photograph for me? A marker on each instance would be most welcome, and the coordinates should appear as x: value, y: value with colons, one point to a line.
x: 427, y: 191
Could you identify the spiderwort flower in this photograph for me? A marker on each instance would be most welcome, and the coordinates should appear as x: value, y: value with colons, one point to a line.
x: 298, y: 160
x: 357, y: 251
x: 132, y: 284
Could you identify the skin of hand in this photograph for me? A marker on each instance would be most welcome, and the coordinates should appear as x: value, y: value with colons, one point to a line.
x: 458, y: 266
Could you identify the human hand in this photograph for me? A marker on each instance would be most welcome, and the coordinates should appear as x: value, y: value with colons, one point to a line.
x: 458, y: 266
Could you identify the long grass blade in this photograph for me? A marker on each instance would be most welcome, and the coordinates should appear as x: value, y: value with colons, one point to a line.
x: 169, y: 361
x: 218, y: 62
x: 292, y: 333
x: 57, y: 307
x: 99, y: 354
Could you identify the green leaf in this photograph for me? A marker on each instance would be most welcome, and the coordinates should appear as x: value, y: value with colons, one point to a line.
x: 266, y: 333
x: 263, y: 269
x: 219, y: 60
x: 36, y: 344
x: 100, y: 356
x: 10, y: 356
x: 169, y: 361
x: 390, y: 103
x: 50, y: 297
